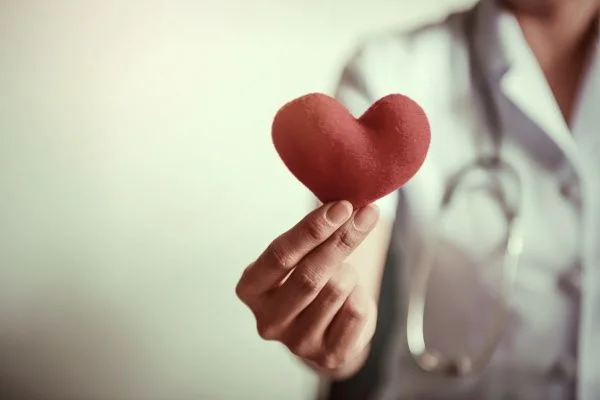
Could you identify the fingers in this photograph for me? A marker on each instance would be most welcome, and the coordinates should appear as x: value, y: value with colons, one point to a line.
x: 333, y: 339
x: 316, y: 268
x: 302, y: 294
x: 282, y: 255
x: 308, y: 329
x: 351, y: 330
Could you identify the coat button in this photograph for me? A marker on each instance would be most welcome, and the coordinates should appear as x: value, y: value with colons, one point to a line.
x: 570, y: 282
x: 571, y: 190
x: 564, y: 370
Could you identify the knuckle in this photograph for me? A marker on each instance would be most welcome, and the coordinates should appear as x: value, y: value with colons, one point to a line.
x: 331, y: 360
x: 266, y: 330
x: 240, y: 291
x: 300, y: 346
x: 315, y: 230
x: 280, y: 255
x: 306, y: 283
x: 347, y: 240
x: 334, y: 290
x: 356, y: 310
x: 342, y: 284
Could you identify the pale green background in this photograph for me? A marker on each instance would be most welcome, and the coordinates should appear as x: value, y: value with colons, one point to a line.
x: 137, y: 179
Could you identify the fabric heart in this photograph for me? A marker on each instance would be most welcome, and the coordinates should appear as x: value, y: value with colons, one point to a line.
x: 339, y: 157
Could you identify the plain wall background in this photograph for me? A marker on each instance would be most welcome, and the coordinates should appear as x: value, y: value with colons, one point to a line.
x: 137, y: 179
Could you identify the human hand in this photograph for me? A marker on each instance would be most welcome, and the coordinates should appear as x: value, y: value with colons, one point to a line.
x: 304, y: 296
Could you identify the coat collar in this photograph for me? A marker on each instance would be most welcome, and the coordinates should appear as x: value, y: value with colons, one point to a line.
x: 502, y: 54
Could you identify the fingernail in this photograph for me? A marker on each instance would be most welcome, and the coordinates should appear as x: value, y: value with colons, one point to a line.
x: 365, y: 218
x: 339, y: 212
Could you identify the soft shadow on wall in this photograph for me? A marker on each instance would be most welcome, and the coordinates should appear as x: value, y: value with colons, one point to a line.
x: 137, y: 179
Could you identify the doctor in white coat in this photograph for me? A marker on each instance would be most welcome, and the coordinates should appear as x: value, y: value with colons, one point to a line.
x: 515, y: 81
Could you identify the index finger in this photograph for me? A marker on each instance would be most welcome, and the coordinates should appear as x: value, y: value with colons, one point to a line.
x: 282, y: 255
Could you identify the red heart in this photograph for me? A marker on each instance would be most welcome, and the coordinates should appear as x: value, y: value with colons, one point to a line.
x: 339, y: 157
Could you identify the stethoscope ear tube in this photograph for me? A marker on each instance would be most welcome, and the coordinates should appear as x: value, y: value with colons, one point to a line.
x: 500, y: 173
x: 431, y: 360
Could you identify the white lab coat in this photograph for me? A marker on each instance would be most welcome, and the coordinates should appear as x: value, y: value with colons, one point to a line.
x: 552, y: 344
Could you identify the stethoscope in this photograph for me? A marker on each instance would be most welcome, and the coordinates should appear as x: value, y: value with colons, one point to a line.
x: 498, y: 173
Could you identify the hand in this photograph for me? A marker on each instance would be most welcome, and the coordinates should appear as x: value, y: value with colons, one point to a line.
x: 304, y: 296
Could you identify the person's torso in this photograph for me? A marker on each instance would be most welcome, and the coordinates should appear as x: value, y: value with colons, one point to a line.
x: 538, y: 355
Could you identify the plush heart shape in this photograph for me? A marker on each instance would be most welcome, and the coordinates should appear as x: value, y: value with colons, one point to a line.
x: 339, y: 157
